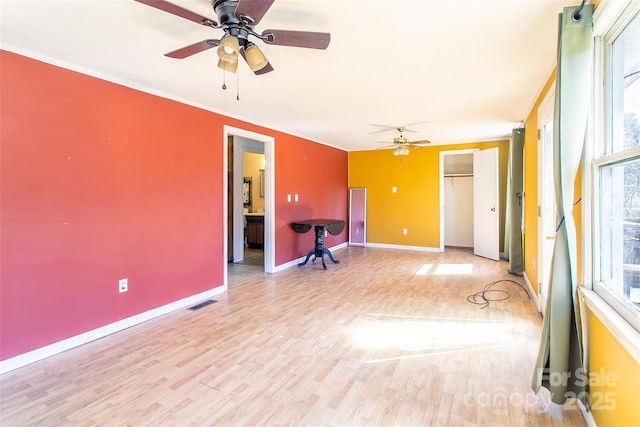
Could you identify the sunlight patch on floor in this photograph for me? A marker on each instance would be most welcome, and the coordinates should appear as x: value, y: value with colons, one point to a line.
x: 424, y: 270
x: 398, y: 337
x: 443, y: 269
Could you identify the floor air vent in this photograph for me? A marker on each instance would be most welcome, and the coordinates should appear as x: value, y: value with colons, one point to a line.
x: 202, y: 304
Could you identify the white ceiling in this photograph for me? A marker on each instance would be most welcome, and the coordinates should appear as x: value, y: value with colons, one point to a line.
x: 458, y: 70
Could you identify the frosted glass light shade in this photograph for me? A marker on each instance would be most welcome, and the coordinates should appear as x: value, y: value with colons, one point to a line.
x: 401, y: 151
x: 255, y: 58
x: 228, y: 49
x: 228, y: 66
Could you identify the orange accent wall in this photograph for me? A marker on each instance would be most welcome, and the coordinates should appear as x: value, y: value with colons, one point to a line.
x: 613, y: 376
x: 416, y: 203
x: 101, y: 182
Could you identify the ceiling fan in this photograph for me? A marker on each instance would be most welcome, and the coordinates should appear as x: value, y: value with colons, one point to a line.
x: 401, y: 143
x: 237, y: 19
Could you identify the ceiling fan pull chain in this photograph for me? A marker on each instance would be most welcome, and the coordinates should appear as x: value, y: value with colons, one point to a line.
x: 238, y: 86
x: 224, y: 80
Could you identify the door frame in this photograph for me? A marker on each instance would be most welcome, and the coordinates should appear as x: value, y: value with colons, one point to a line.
x: 269, y: 195
x: 545, y: 113
x: 241, y: 146
x: 443, y: 154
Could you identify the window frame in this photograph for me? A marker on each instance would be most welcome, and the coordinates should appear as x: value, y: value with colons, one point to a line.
x: 610, y: 20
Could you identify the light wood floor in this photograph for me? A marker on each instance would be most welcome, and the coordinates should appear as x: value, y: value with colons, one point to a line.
x: 251, y: 266
x: 367, y: 342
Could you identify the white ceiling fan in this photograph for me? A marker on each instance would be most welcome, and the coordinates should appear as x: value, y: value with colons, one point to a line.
x: 401, y: 144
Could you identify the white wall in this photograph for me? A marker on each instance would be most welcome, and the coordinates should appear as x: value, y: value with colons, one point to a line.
x: 458, y: 208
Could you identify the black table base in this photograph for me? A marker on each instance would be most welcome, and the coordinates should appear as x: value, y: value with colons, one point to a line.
x: 319, y: 250
x: 333, y: 226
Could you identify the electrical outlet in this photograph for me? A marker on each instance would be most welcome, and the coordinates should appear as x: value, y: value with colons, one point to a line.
x: 404, y: 231
x: 295, y: 197
x: 393, y: 189
x: 123, y: 285
x: 288, y: 198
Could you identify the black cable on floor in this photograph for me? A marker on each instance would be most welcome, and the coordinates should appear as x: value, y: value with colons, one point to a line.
x: 482, y: 298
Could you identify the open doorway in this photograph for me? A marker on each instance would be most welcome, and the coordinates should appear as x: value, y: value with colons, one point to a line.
x: 249, y: 184
x: 456, y: 195
x: 469, y: 211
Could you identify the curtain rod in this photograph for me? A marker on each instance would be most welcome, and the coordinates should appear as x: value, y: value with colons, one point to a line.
x: 577, y: 15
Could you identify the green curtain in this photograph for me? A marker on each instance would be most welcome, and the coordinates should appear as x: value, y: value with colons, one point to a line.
x: 559, y: 366
x: 513, y: 225
x: 507, y: 214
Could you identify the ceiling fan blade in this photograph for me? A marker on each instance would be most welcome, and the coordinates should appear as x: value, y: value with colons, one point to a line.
x: 386, y: 128
x: 179, y: 11
x: 264, y: 70
x: 307, y: 39
x: 254, y: 9
x: 406, y: 127
x: 193, y: 49
x: 388, y: 145
x: 418, y: 143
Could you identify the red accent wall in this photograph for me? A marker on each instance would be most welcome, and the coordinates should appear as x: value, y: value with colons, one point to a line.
x: 99, y: 182
x: 318, y: 174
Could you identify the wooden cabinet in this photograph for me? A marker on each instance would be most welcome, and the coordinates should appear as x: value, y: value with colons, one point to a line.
x: 255, y: 231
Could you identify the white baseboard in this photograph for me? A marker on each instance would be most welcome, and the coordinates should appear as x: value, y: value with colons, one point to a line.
x: 588, y: 415
x: 286, y: 265
x: 402, y: 247
x: 295, y: 262
x: 84, y: 338
x: 533, y: 294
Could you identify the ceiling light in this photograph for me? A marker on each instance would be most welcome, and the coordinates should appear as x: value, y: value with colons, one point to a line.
x: 255, y: 57
x: 228, y: 66
x: 228, y: 49
x: 401, y: 151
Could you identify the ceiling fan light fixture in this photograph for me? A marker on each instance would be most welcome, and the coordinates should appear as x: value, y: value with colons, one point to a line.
x: 255, y: 57
x: 401, y: 151
x: 228, y: 66
x: 228, y: 49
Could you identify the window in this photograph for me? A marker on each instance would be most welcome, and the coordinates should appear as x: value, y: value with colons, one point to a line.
x: 617, y: 171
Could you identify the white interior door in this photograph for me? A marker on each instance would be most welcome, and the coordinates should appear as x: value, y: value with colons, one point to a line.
x: 486, y: 214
